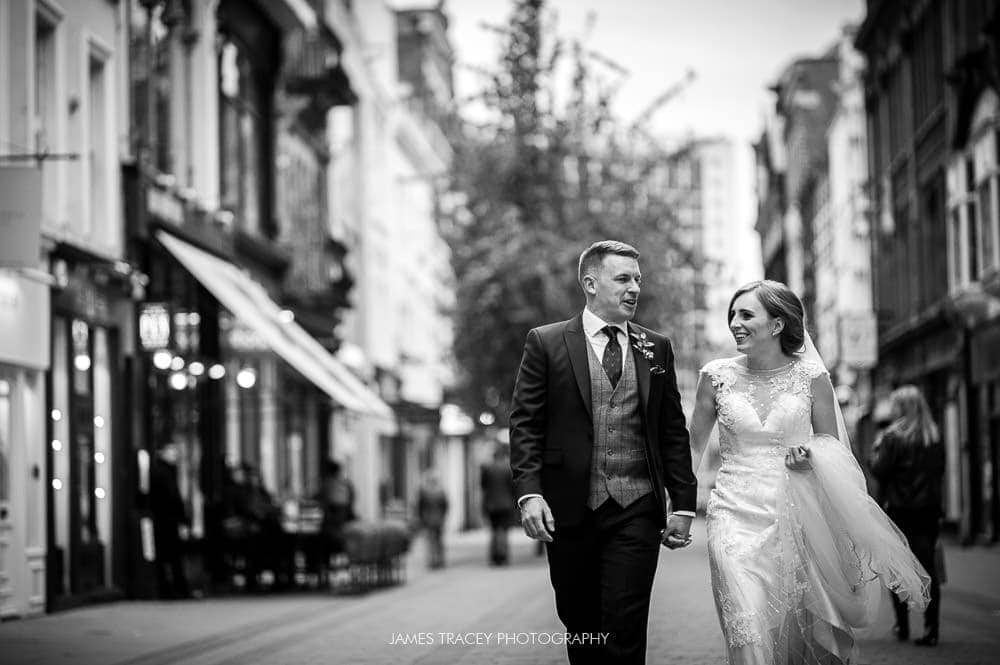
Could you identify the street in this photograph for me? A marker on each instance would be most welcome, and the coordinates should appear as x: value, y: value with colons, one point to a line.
x: 467, y: 613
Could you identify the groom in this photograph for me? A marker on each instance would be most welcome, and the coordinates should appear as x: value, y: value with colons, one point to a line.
x: 596, y: 434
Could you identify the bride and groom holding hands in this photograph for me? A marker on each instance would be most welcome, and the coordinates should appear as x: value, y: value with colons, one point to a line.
x: 600, y: 448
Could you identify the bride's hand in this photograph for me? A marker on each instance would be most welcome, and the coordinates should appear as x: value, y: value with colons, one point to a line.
x: 797, y: 459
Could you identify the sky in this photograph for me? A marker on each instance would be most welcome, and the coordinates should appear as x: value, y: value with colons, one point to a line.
x: 736, y: 49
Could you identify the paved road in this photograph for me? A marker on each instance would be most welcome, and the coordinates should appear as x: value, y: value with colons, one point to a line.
x: 436, y: 618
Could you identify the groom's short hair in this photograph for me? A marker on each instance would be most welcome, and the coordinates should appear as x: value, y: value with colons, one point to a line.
x: 591, y: 258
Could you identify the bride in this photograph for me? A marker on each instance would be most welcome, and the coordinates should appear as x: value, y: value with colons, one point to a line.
x: 798, y: 551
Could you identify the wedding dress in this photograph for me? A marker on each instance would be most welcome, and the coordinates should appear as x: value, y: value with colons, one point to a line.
x: 798, y: 558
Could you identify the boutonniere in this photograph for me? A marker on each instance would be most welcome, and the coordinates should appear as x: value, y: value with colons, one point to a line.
x: 641, y: 344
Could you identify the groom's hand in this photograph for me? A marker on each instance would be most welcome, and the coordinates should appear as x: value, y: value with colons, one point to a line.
x: 536, y: 518
x: 678, y: 532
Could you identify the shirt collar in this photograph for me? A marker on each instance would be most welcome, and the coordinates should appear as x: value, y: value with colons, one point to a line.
x: 593, y: 324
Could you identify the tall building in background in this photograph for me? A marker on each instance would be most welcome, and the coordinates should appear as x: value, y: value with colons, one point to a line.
x: 844, y: 323
x: 702, y: 179
x: 804, y: 103
x: 729, y: 243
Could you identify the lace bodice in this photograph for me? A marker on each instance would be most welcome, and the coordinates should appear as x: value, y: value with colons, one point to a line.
x: 762, y: 408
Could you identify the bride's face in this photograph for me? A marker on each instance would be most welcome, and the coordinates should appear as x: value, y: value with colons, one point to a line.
x: 752, y: 327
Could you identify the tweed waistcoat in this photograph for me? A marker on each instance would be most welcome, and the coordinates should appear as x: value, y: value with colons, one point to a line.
x: 618, y: 467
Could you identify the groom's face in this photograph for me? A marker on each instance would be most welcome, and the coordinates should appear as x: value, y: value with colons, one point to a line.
x: 613, y: 290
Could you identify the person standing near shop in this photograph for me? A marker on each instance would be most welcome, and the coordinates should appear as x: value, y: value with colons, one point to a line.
x: 169, y: 518
x: 432, y: 507
x: 908, y: 461
x: 497, y: 483
x: 337, y: 499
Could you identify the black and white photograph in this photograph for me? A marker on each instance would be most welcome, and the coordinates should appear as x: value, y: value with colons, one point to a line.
x: 499, y: 332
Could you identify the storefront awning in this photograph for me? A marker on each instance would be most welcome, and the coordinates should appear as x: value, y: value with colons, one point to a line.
x: 249, y: 302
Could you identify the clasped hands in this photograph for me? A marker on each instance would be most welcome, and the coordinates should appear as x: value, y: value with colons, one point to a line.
x: 538, y: 524
x: 797, y: 458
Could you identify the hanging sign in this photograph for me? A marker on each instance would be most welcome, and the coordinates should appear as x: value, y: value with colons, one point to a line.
x: 20, y: 215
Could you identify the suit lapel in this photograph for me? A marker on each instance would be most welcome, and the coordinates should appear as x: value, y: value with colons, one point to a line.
x: 641, y: 369
x: 576, y: 345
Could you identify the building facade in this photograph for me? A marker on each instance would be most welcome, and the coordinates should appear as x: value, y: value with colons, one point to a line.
x: 62, y: 120
x: 813, y: 215
x: 400, y: 329
x: 232, y: 219
x: 177, y: 275
x: 930, y: 97
x: 844, y: 328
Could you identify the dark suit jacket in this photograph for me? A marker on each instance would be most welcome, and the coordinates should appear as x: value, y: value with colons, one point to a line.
x: 551, y: 427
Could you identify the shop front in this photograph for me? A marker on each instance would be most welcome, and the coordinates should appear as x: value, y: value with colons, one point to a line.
x: 86, y: 427
x: 24, y: 359
x: 273, y: 397
x: 984, y: 355
x: 181, y: 367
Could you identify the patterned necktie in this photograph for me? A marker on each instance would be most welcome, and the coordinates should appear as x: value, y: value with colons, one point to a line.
x: 612, y: 360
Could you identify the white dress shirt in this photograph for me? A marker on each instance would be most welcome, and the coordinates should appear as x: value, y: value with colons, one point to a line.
x: 593, y: 328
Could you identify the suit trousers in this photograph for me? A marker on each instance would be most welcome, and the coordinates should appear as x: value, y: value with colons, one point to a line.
x: 602, y: 572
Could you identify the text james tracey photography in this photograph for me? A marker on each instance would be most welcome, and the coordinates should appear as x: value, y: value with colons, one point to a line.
x: 499, y: 639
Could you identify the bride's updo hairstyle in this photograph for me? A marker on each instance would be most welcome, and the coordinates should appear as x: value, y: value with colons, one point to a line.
x: 780, y: 302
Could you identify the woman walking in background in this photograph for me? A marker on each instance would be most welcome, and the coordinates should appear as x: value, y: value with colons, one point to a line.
x: 908, y: 462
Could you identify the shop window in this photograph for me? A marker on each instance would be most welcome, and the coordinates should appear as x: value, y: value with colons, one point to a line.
x: 83, y: 416
x: 80, y: 540
x: 247, y: 376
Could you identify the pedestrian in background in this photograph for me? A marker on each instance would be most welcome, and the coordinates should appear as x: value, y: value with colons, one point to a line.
x: 497, y: 483
x: 169, y: 518
x: 268, y: 556
x: 908, y: 461
x: 432, y: 508
x: 337, y: 499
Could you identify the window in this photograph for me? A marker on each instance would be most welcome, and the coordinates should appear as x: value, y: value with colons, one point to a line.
x: 46, y: 137
x: 98, y: 162
x: 934, y: 235
x: 974, y: 183
x: 928, y: 72
x: 896, y: 112
x: 954, y: 233
x: 971, y: 221
x: 247, y: 57
x: 152, y: 80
